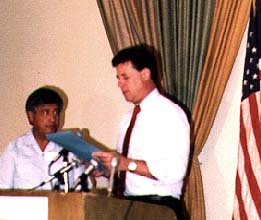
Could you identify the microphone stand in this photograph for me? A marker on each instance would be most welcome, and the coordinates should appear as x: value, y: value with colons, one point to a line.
x: 64, y: 179
x: 66, y: 175
x: 114, y: 164
x: 82, y: 179
x: 57, y: 174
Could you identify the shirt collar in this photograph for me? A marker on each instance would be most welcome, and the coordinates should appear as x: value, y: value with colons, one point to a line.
x: 149, y: 98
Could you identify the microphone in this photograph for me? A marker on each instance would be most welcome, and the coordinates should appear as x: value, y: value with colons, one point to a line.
x: 62, y: 152
x: 93, y: 165
x: 114, y: 164
x: 57, y: 174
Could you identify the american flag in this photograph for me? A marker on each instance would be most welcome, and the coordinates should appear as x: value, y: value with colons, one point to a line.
x: 247, y: 204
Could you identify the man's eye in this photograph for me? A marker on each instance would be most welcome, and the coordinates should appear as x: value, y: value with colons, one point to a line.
x: 56, y: 112
x: 45, y: 112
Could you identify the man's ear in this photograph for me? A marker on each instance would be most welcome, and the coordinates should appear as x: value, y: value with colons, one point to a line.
x: 145, y: 74
x: 30, y: 116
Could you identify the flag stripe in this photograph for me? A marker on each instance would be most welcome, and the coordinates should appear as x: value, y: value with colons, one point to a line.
x: 247, y: 202
x: 254, y: 112
x: 240, y: 203
x: 254, y: 189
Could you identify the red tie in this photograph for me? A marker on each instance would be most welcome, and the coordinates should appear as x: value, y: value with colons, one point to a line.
x: 125, y: 149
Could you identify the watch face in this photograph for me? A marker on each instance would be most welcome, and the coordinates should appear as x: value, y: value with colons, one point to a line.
x: 132, y: 166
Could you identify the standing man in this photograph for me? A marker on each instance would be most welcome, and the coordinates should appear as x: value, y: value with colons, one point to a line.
x: 158, y: 150
x: 24, y: 163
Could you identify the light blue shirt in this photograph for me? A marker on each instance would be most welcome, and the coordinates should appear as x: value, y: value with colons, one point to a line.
x: 23, y: 165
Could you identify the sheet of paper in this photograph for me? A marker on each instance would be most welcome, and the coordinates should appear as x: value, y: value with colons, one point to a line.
x: 20, y: 207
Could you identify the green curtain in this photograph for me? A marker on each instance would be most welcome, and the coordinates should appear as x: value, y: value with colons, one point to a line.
x: 178, y: 30
x: 183, y: 31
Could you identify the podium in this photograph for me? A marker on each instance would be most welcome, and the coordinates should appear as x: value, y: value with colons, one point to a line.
x: 92, y: 206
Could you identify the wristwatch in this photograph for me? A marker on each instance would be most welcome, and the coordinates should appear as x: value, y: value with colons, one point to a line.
x: 132, y: 166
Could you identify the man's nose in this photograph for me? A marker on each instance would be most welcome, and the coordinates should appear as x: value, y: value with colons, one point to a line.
x: 120, y: 84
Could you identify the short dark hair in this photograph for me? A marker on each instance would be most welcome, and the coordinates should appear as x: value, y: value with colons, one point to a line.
x: 43, y: 96
x: 141, y: 56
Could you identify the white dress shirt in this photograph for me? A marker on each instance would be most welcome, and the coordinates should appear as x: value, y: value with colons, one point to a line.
x: 23, y: 165
x: 161, y: 137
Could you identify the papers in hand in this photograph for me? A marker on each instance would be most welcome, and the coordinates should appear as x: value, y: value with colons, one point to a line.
x: 75, y: 144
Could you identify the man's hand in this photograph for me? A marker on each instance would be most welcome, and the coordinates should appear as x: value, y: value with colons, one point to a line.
x: 105, y: 158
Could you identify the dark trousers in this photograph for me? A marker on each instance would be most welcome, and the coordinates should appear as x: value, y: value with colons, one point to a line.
x: 169, y: 201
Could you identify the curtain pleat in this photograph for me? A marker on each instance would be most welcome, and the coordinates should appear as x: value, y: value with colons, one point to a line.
x: 129, y: 22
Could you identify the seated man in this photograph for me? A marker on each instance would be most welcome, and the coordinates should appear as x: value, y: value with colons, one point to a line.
x: 25, y: 162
